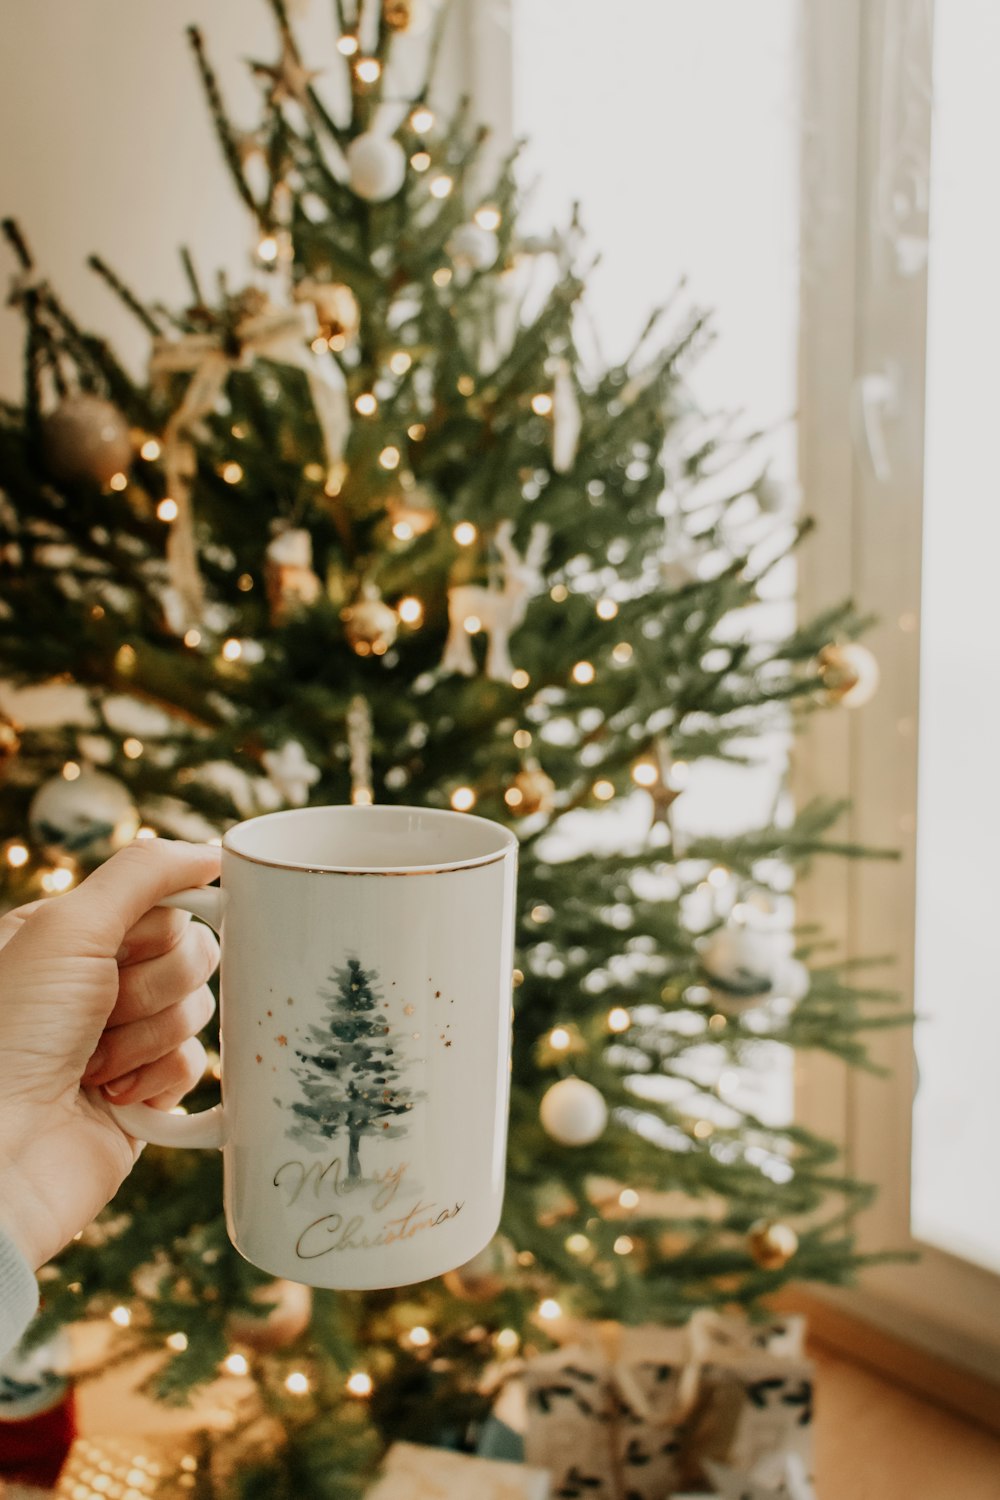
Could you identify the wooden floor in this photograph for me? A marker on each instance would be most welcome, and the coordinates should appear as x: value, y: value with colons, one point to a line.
x: 875, y: 1441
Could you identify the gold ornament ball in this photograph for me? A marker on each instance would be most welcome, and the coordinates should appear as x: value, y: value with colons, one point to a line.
x: 370, y: 625
x: 537, y: 791
x: 10, y: 741
x: 486, y: 1275
x: 86, y: 437
x: 772, y: 1244
x: 278, y: 1324
x: 849, y: 674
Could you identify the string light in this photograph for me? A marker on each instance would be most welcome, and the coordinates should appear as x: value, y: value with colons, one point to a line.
x: 717, y: 1022
x: 120, y: 1316
x: 361, y: 797
x: 416, y: 432
x: 628, y: 1198
x: 507, y: 1341
x: 420, y: 161
x: 583, y: 673
x: 389, y: 458
x: 347, y: 45
x: 177, y: 1341
x: 577, y: 1244
x: 703, y: 1129
x: 606, y: 609
x: 645, y: 773
x: 465, y: 385
x: 487, y: 217
x: 619, y: 1019
x: 167, y: 509
x: 559, y: 593
x: 402, y: 531
x: 441, y: 186
x: 472, y: 624
x: 603, y: 790
x: 236, y: 1364
x: 245, y: 583
x: 365, y: 405
x: 232, y: 472
x: 192, y: 637
x: 420, y: 1337
x: 298, y: 1383
x: 517, y: 978
x: 622, y: 652
x: 150, y: 450
x: 519, y: 678
x: 541, y: 404
x: 549, y: 1309
x: 359, y: 1383
x: 624, y: 1245
x: 465, y: 533
x: 17, y: 855
x: 145, y: 832
x: 559, y: 1039
x: 513, y: 796
x: 422, y: 119
x: 132, y: 748
x: 267, y: 250
x: 410, y: 610
x: 400, y: 362
x: 118, y: 481
x: 125, y: 660
x: 232, y: 649
x: 463, y: 798
x: 368, y: 69
x: 57, y: 880
x: 718, y: 876
x: 442, y: 276
x: 71, y: 771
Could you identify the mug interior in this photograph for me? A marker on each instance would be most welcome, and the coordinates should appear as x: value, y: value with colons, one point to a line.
x: 370, y: 839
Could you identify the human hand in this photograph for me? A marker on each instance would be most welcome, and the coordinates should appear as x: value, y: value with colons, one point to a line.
x: 97, y: 990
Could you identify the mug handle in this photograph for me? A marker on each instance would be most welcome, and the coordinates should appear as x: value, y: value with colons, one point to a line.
x: 158, y: 1126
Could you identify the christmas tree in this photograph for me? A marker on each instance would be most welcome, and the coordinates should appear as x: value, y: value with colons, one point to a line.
x: 375, y: 529
x: 349, y: 1078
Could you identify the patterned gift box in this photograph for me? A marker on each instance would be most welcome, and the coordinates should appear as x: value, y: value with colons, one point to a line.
x: 413, y: 1472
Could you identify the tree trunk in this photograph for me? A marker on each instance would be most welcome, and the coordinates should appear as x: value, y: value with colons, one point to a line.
x: 353, y: 1158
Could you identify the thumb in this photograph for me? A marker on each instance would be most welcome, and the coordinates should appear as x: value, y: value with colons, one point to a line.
x: 95, y: 916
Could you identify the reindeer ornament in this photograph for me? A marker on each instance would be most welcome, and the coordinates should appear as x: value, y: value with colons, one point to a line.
x: 499, y: 611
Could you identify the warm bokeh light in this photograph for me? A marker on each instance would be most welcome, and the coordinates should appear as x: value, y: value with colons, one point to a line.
x: 368, y: 69
x: 441, y: 186
x: 389, y: 458
x: 410, y: 610
x: 267, y: 250
x: 400, y: 362
x: 606, y: 609
x: 577, y: 1244
x: 465, y: 533
x: 150, y: 450
x: 463, y: 798
x: 420, y: 161
x: 522, y: 738
x: 192, y: 637
x: 583, y: 673
x: 619, y: 1019
x: 236, y: 1364
x: 507, y: 1341
x: 519, y: 678
x: 366, y: 405
x: 297, y: 1383
x: 645, y: 773
x: 472, y: 624
x: 347, y: 45
x: 120, y: 1316
x: 71, y: 770
x: 628, y: 1198
x: 17, y: 855
x: 559, y: 1038
x: 232, y: 472
x: 132, y: 748
x: 603, y: 790
x: 624, y: 1245
x: 118, y: 481
x: 54, y: 882
x: 422, y: 119
x: 549, y: 1309
x: 177, y: 1341
x: 167, y: 509
x: 487, y: 217
x: 622, y: 652
x: 541, y: 404
x: 513, y: 796
x: 420, y: 1337
x: 359, y: 1383
x: 232, y: 649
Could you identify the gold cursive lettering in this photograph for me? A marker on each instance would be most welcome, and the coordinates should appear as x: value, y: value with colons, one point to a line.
x: 332, y: 1233
x: 295, y: 1177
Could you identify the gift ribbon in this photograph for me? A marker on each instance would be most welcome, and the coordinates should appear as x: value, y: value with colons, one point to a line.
x: 277, y: 334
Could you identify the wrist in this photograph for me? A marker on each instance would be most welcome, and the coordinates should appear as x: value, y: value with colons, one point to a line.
x: 17, y: 1216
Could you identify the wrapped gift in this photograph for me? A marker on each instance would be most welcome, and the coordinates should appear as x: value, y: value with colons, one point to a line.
x: 37, y: 1413
x: 413, y: 1472
x: 752, y: 1414
x: 606, y: 1415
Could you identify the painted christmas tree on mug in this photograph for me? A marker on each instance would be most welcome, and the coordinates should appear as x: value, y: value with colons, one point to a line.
x: 349, y: 1077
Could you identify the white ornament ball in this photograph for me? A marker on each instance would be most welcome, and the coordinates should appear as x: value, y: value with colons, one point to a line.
x: 469, y: 245
x: 573, y: 1112
x: 793, y: 979
x: 743, y: 964
x: 376, y: 166
x: 88, y: 818
x: 85, y: 437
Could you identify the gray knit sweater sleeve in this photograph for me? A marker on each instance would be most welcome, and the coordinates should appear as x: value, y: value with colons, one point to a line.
x: 18, y: 1295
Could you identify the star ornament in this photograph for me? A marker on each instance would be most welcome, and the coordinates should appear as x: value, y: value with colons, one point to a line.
x: 288, y: 79
x: 291, y: 773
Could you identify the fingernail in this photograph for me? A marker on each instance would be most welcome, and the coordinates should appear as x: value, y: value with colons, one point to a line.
x: 119, y: 1086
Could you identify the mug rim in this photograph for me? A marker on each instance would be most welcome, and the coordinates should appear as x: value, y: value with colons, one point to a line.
x: 505, y: 837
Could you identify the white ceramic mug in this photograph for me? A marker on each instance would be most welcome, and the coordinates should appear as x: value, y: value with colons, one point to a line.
x: 365, y: 1022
